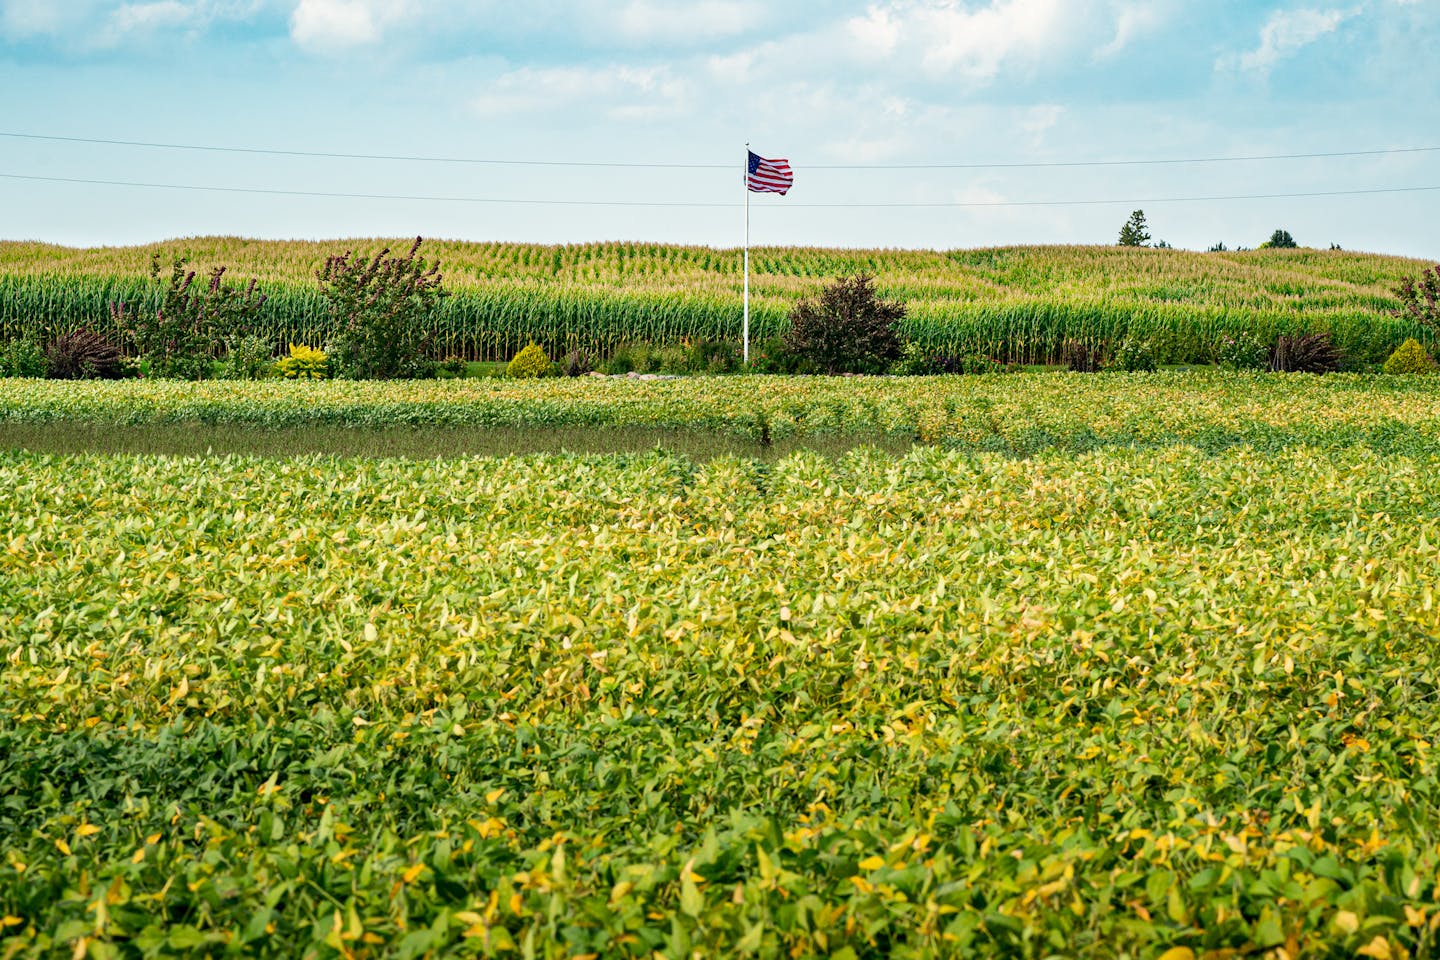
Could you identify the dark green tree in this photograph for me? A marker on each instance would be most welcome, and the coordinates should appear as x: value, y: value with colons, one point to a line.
x: 1280, y: 240
x: 847, y: 329
x: 1135, y: 233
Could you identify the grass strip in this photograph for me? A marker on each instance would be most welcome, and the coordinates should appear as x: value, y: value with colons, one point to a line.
x: 1018, y: 415
x: 195, y: 439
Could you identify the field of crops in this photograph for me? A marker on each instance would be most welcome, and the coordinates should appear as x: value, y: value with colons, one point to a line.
x: 1012, y: 414
x: 1166, y: 685
x: 1113, y: 704
x: 1017, y: 303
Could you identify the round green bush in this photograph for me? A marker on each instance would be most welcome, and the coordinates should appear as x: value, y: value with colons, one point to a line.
x: 530, y: 362
x: 1410, y: 357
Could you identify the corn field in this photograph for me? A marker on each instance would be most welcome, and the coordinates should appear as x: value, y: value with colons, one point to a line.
x: 1016, y: 304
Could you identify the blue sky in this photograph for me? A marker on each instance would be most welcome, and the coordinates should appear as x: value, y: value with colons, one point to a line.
x: 878, y: 82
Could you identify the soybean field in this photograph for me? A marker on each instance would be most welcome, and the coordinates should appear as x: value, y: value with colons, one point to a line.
x: 1162, y: 686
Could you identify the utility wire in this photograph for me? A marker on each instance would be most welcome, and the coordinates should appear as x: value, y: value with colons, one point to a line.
x: 371, y: 196
x: 661, y: 203
x: 643, y: 165
x: 375, y: 156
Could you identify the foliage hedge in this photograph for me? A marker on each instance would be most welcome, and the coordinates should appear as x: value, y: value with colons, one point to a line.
x: 1013, y: 304
x: 1019, y: 414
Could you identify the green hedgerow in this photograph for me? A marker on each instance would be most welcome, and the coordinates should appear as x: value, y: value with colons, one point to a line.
x: 21, y: 357
x: 247, y: 358
x: 528, y: 363
x: 1241, y: 350
x: 1410, y: 357
x: 1132, y: 355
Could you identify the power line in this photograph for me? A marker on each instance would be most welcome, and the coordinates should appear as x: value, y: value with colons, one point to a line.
x: 704, y: 204
x: 1043, y: 164
x: 371, y: 196
x: 376, y: 156
x: 1121, y: 200
x: 647, y: 165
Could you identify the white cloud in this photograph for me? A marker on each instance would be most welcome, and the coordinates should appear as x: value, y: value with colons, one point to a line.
x: 141, y: 19
x: 90, y: 25
x: 877, y: 32
x: 726, y: 68
x: 977, y: 40
x: 25, y: 19
x: 334, y: 25
x: 620, y: 92
x: 977, y: 194
x: 1134, y: 19
x: 976, y: 43
x: 1286, y: 32
x: 645, y: 20
x: 1040, y: 119
x: 989, y: 207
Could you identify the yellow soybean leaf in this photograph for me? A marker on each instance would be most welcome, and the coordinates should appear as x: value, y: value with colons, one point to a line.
x: 87, y: 830
x: 872, y: 863
x: 63, y: 847
x: 411, y: 873
x: 1378, y: 948
x: 1177, y: 953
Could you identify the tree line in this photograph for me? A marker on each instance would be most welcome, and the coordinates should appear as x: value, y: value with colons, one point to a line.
x: 1136, y: 233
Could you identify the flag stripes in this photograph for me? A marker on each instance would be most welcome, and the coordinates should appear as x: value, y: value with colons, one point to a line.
x: 768, y: 176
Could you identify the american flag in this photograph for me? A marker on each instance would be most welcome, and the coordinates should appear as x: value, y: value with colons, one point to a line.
x: 768, y: 176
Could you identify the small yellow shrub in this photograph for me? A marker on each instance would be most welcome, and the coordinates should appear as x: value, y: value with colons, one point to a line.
x: 303, y: 363
x: 1410, y: 357
x: 530, y: 362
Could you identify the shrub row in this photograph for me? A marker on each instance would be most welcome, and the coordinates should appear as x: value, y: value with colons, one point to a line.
x: 1019, y: 305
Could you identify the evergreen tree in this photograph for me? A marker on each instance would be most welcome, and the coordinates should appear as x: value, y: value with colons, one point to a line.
x: 1280, y: 240
x: 1135, y: 233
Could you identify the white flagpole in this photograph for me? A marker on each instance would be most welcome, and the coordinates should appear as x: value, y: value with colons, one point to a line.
x: 745, y: 183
